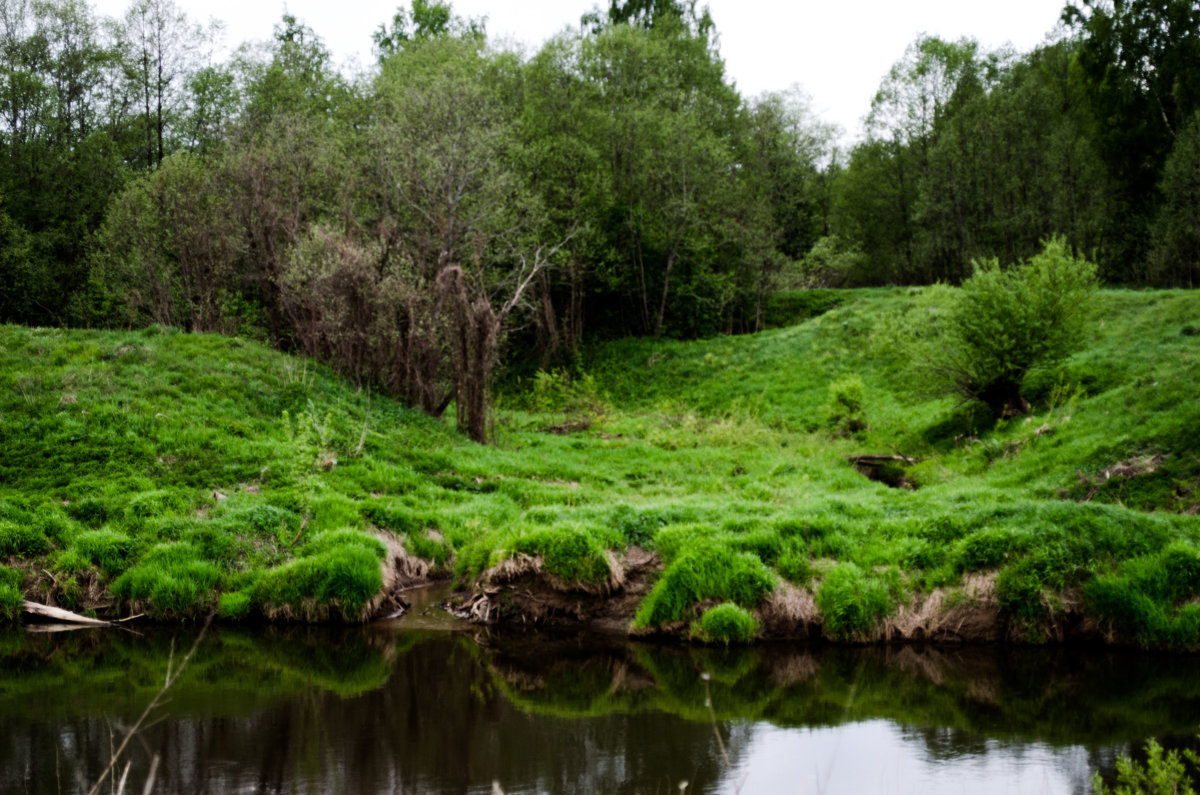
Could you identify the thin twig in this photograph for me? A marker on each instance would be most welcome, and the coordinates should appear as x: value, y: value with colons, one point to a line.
x: 171, y: 678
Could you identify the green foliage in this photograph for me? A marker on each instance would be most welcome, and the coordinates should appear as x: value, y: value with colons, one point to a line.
x: 1163, y: 773
x: 574, y: 554
x: 705, y: 570
x: 725, y: 623
x: 1003, y: 323
x: 845, y: 409
x: 989, y: 548
x: 171, y: 581
x: 833, y: 262
x: 11, y: 598
x: 235, y: 605
x: 339, y: 581
x: 109, y: 550
x: 22, y: 540
x: 1019, y: 593
x: 1175, y: 256
x: 852, y: 601
x: 1148, y: 598
x: 714, y: 454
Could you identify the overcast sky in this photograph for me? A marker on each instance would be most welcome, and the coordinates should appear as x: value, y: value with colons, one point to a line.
x: 837, y: 52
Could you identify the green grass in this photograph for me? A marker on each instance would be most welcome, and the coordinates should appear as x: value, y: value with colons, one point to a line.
x: 192, y: 473
x: 726, y: 623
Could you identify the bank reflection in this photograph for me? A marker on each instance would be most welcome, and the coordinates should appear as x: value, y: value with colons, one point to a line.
x: 382, y: 709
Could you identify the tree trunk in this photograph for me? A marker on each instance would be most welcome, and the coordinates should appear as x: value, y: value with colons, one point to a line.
x: 1004, y: 398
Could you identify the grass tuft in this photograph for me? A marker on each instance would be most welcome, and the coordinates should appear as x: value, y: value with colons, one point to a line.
x: 725, y: 623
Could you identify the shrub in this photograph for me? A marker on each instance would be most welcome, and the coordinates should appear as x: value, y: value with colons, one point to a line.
x: 1162, y: 774
x: 845, y: 408
x: 726, y: 623
x: 1004, y: 322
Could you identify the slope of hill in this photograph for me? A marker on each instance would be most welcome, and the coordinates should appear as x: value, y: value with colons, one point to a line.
x: 702, y: 489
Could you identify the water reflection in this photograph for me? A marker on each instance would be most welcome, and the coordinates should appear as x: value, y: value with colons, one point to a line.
x: 390, y: 709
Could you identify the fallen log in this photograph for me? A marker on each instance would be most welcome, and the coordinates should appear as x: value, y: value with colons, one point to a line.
x: 882, y: 460
x: 58, y: 614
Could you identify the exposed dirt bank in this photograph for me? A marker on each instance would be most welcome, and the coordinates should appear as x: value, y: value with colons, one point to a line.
x: 520, y: 591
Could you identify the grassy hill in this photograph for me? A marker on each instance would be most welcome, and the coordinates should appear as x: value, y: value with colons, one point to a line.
x: 173, y: 474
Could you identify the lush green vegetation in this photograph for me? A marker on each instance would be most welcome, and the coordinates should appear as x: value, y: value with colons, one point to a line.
x: 178, y: 474
x: 403, y: 222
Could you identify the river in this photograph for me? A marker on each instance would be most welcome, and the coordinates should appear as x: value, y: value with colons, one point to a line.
x: 427, y: 705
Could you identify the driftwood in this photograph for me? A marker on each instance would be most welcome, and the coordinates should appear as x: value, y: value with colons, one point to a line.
x: 58, y: 614
x: 882, y: 460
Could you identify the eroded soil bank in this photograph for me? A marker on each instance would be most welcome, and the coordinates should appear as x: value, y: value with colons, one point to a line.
x: 521, y: 592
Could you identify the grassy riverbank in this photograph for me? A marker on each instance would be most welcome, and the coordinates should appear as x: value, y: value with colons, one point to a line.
x: 172, y: 474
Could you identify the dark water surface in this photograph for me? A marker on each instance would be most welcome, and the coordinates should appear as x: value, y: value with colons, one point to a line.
x: 412, y: 707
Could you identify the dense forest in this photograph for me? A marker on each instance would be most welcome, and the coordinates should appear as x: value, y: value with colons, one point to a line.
x: 401, y: 223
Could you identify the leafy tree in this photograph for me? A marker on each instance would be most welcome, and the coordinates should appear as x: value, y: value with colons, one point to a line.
x: 665, y: 127
x: 562, y: 157
x: 1140, y: 58
x: 1004, y: 322
x: 1175, y: 258
x: 161, y: 56
x: 426, y: 20
x: 169, y: 246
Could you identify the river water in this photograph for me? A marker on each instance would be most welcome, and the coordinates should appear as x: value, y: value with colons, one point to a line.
x: 425, y: 705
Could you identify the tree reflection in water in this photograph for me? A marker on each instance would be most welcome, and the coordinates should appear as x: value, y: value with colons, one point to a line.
x: 381, y: 710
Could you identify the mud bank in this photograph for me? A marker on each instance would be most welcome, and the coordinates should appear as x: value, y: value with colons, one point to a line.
x: 521, y: 592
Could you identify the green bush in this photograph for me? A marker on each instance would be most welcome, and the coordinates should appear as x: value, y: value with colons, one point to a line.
x: 726, y: 623
x: 851, y: 601
x: 845, y: 408
x: 1162, y: 774
x: 1004, y: 322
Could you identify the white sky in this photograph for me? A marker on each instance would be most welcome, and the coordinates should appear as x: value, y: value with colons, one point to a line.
x: 836, y: 51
